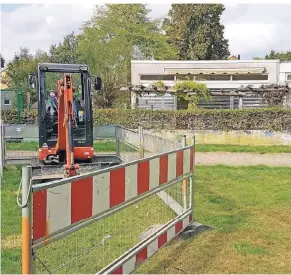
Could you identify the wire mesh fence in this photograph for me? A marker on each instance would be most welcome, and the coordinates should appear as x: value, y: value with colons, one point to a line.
x: 92, y: 248
x: 21, y: 143
x: 17, y: 148
x: 153, y: 144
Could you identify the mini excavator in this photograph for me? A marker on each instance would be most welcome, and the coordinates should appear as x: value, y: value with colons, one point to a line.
x: 66, y: 122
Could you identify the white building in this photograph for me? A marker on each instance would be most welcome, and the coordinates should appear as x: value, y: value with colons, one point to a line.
x: 217, y: 75
x: 285, y: 73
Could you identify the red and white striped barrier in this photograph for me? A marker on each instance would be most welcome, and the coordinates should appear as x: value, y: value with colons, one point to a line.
x: 59, y: 207
x: 130, y: 263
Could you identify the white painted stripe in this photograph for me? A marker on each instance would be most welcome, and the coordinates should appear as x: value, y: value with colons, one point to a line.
x: 172, y: 166
x: 154, y: 172
x: 101, y: 193
x: 186, y: 161
x: 130, y: 181
x: 129, y: 266
x: 171, y: 233
x: 58, y: 211
x: 152, y: 248
x: 171, y: 202
x: 185, y: 222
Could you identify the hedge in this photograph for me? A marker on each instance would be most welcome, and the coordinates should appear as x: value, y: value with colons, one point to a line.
x: 247, y: 119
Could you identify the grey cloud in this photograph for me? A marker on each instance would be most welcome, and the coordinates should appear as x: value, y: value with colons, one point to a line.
x: 260, y: 27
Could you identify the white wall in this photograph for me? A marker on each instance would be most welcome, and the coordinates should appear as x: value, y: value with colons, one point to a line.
x: 285, y: 69
x: 158, y: 67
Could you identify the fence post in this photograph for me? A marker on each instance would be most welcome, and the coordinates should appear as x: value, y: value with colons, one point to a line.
x: 240, y: 102
x: 140, y: 146
x: 184, y: 187
x: 117, y: 147
x: 192, y: 180
x: 152, y: 110
x: 117, y: 137
x: 26, y: 221
x: 2, y: 148
x: 231, y: 102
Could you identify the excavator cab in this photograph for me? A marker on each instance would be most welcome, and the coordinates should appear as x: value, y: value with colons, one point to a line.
x: 65, y: 114
x: 52, y: 111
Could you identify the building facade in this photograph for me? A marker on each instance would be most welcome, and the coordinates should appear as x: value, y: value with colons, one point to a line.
x: 226, y: 75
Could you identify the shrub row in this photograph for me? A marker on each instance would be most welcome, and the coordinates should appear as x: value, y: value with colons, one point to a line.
x: 246, y: 119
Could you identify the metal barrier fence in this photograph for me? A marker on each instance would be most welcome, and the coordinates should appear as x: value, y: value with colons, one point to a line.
x: 20, y: 143
x: 108, y: 221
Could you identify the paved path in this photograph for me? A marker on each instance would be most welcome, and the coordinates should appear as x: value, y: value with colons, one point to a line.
x: 211, y: 158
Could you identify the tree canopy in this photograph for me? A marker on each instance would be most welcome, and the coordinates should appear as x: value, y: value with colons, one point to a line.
x: 66, y: 51
x: 21, y: 65
x: 282, y: 56
x: 196, y: 32
x: 115, y: 35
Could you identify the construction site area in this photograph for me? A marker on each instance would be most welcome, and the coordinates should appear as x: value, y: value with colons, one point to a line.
x: 140, y: 144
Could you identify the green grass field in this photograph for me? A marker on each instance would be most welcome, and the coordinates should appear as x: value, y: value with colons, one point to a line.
x: 248, y: 207
x: 110, y: 146
x: 107, y: 146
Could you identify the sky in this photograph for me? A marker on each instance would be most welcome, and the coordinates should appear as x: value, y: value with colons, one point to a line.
x: 252, y: 29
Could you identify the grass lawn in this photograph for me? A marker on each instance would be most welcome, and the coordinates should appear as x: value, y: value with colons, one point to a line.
x: 249, y: 208
x: 108, y: 146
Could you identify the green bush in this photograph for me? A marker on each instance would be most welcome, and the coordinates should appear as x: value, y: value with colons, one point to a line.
x: 275, y: 119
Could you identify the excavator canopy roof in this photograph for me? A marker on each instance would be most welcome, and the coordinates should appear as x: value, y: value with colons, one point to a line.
x: 68, y: 68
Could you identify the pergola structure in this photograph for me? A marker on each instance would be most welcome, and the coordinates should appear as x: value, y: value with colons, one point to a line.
x: 239, y: 93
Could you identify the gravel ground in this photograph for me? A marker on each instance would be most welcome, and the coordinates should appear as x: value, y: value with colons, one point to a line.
x: 282, y: 159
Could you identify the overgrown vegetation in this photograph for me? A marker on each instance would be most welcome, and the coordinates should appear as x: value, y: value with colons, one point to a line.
x: 274, y: 95
x: 275, y: 119
x: 188, y: 91
x: 195, y: 92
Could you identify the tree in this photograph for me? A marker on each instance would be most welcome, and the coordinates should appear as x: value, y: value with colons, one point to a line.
x: 2, y: 62
x: 66, y: 51
x: 196, y: 32
x: 22, y: 64
x: 115, y: 35
x: 282, y: 56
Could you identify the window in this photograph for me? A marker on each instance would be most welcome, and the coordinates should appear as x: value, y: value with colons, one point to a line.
x: 288, y: 77
x: 245, y: 77
x: 7, y: 101
x: 212, y: 77
x: 184, y: 77
x: 166, y: 77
